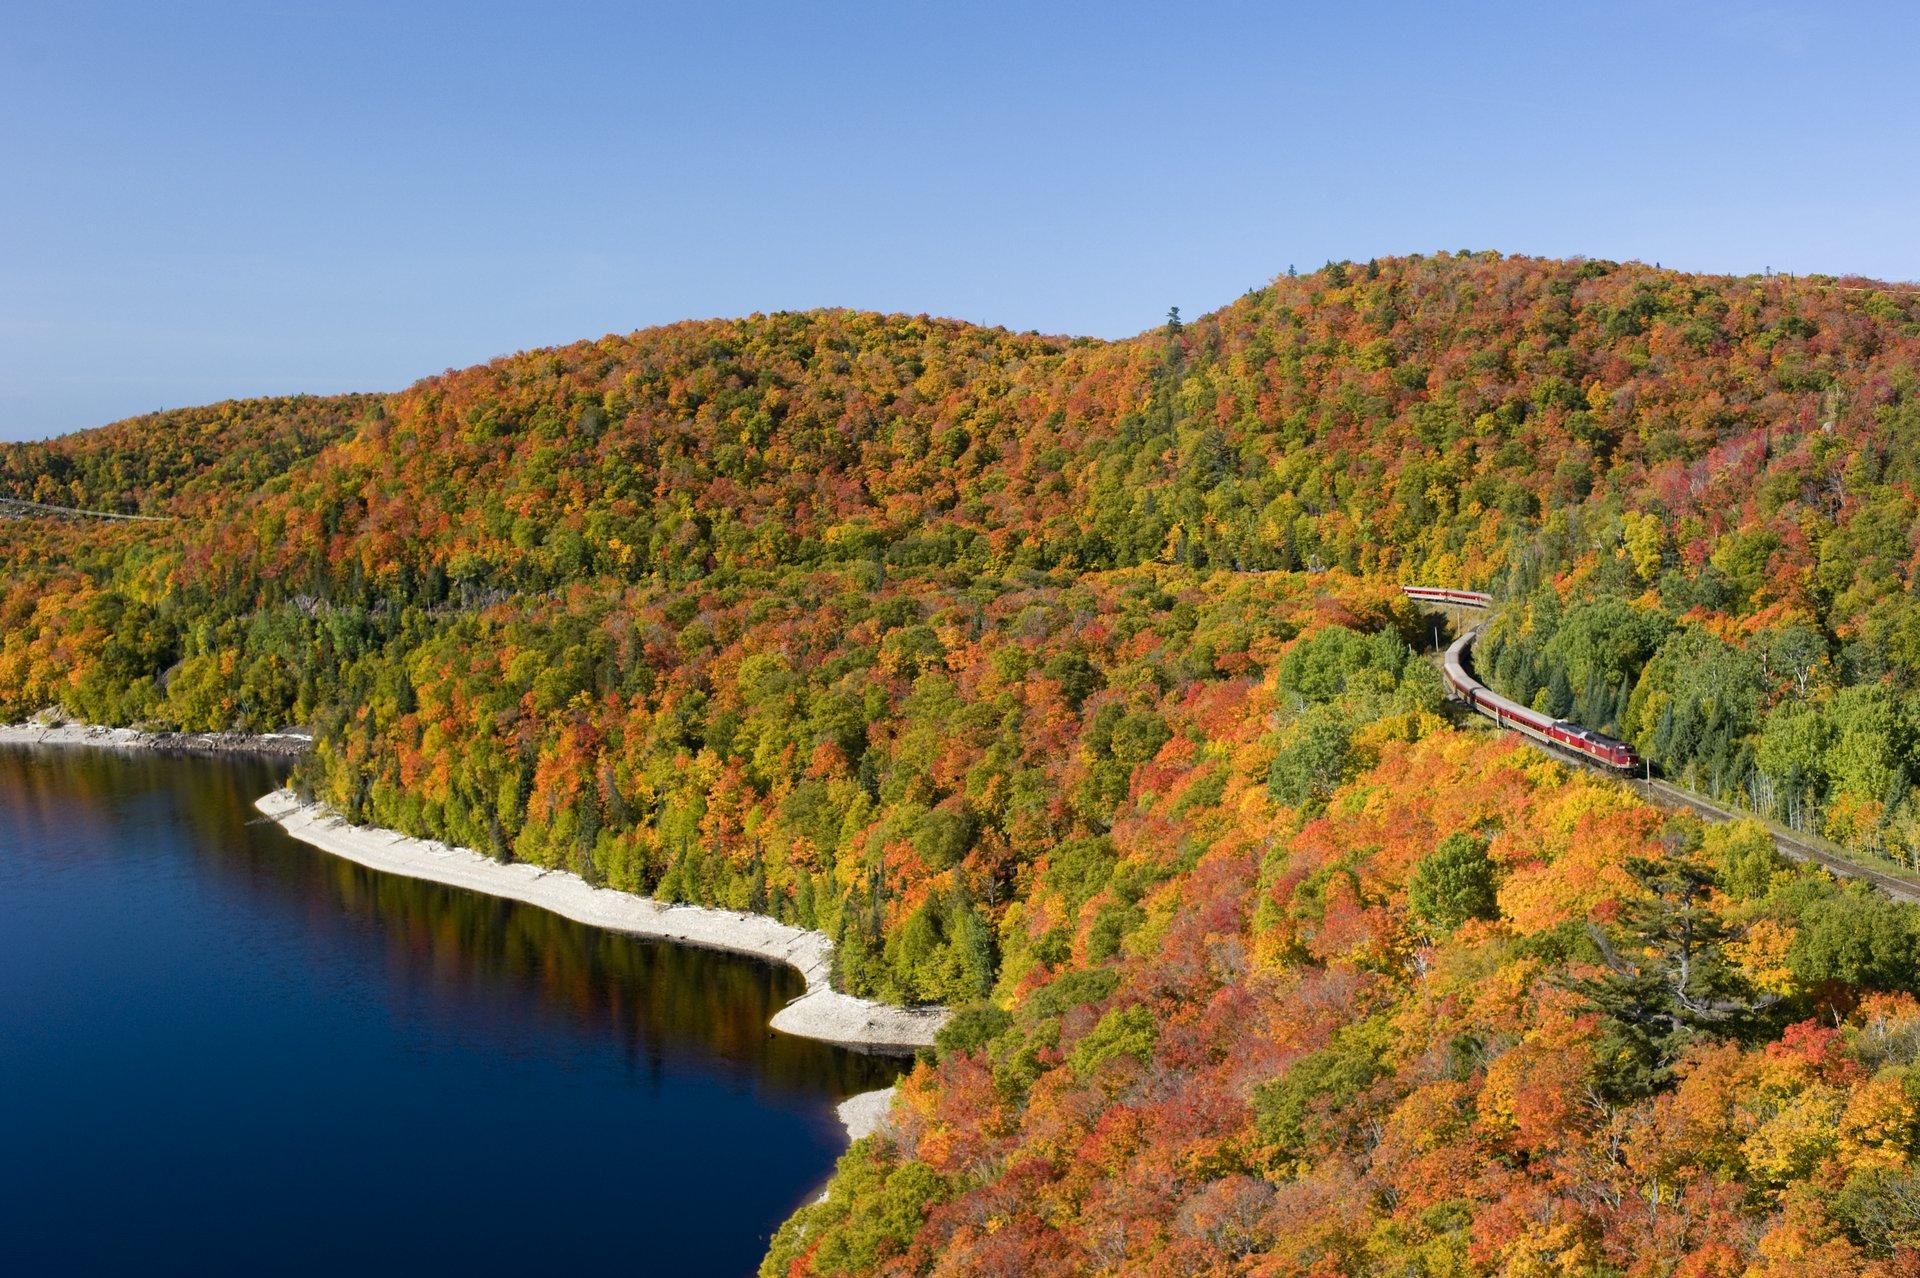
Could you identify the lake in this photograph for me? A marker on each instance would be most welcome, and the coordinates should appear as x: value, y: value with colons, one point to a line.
x: 222, y: 1050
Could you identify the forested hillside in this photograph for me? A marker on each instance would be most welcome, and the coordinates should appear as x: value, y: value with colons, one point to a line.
x: 1067, y: 681
x: 178, y: 462
x: 1476, y: 1015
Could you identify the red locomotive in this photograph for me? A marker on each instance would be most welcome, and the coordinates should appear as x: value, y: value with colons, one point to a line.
x: 1511, y: 714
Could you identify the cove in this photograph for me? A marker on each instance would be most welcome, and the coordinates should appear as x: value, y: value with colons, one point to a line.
x: 221, y: 1050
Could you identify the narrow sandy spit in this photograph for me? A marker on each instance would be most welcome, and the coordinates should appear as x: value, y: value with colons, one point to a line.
x: 821, y: 1013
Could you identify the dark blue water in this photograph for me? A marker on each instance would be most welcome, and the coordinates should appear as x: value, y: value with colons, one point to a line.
x: 222, y: 1051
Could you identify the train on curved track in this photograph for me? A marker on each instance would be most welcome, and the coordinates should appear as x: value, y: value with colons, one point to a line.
x: 1558, y: 733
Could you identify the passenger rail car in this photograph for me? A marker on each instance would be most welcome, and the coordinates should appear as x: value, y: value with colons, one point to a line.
x: 1507, y: 713
x: 1447, y: 596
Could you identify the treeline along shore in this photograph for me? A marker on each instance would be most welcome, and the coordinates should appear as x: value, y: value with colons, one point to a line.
x: 821, y: 1013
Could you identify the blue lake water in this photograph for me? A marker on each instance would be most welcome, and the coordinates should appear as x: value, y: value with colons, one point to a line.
x: 223, y: 1051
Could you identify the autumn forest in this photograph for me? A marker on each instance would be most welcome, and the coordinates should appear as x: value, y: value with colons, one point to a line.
x: 1068, y: 683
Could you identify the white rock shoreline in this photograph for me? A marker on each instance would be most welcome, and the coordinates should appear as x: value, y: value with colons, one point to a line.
x: 866, y: 1113
x: 821, y: 1013
x: 273, y: 744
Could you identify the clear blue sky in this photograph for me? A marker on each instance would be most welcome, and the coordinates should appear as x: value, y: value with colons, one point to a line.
x: 209, y: 201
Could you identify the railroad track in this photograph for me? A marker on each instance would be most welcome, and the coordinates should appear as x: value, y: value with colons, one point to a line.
x: 1579, y: 747
x: 1672, y: 797
x: 20, y: 508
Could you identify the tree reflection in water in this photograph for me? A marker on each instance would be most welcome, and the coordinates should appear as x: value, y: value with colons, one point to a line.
x: 449, y: 952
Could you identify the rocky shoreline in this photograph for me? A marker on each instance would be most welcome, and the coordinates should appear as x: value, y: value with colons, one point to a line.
x: 822, y: 1013
x: 866, y: 1113
x: 283, y: 745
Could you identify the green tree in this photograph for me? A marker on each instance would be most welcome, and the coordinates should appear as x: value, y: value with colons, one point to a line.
x: 1848, y: 935
x: 1696, y: 707
x: 1453, y: 883
x: 1312, y: 759
x: 1335, y: 661
x: 1559, y: 694
x: 1792, y: 752
x: 1879, y: 1207
x: 1126, y: 1031
x: 1872, y: 737
x: 1664, y: 977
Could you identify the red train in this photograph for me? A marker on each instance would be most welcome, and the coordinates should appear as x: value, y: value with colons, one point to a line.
x: 1511, y: 714
x: 1448, y: 595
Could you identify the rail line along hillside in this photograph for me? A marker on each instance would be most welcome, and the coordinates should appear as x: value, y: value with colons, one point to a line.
x: 20, y: 508
x: 1615, y: 755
